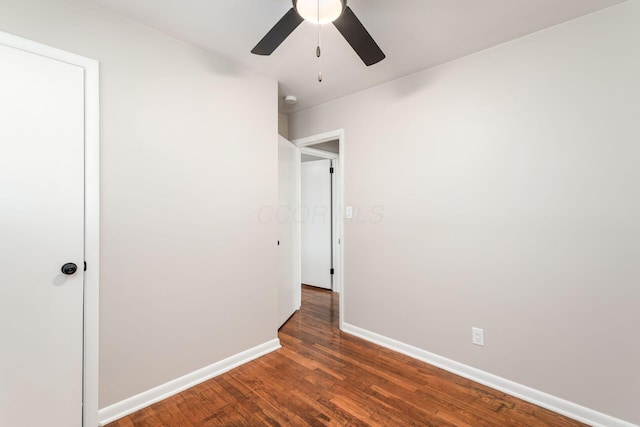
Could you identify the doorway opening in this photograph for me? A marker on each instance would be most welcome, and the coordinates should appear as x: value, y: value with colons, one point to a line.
x: 319, y: 237
x: 321, y: 224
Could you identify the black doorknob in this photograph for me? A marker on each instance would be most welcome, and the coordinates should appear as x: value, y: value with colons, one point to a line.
x: 69, y: 268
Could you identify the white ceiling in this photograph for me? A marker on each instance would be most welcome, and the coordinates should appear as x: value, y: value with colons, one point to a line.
x: 414, y: 34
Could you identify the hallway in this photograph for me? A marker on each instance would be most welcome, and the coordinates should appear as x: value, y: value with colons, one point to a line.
x: 322, y: 376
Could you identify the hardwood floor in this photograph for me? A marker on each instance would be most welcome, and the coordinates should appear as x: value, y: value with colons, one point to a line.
x: 322, y: 376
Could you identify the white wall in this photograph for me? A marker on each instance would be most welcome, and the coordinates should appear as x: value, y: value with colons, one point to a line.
x: 188, y: 272
x: 283, y: 125
x: 508, y: 186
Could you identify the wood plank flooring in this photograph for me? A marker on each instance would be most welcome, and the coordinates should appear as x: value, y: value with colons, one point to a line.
x: 323, y: 376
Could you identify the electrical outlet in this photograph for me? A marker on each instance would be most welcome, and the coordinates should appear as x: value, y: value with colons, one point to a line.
x: 477, y: 336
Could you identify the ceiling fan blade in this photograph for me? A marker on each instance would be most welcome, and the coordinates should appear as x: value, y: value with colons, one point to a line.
x: 358, y: 37
x: 278, y: 33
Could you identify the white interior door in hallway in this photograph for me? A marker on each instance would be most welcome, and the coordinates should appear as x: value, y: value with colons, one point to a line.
x: 42, y: 117
x: 316, y: 223
x: 289, y: 292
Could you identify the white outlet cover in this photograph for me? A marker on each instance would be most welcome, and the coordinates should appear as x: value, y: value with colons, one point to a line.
x: 477, y: 336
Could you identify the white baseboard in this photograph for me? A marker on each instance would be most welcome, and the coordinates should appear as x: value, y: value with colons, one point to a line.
x: 553, y: 403
x: 156, y: 394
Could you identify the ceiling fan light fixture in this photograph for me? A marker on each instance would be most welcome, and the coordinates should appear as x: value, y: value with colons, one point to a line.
x: 330, y: 10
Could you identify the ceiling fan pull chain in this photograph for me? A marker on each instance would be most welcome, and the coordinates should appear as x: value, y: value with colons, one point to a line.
x: 318, y: 49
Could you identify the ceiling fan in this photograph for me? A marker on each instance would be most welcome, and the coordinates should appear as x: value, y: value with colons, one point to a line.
x: 323, y: 12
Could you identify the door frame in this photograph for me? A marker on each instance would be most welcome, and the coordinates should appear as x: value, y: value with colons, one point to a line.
x: 91, y: 213
x: 303, y: 144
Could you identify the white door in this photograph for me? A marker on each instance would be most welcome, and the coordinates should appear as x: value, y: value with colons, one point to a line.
x: 289, y: 292
x: 316, y: 223
x: 41, y: 229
